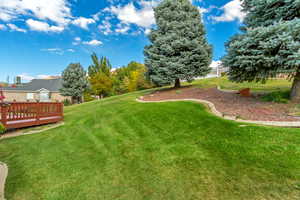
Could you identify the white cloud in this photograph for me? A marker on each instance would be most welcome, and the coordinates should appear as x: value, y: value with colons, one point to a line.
x: 57, y: 11
x: 216, y: 64
x: 92, y: 43
x: 202, y: 10
x: 232, y: 11
x: 147, y: 31
x: 83, y: 22
x: 43, y: 26
x: 129, y: 14
x: 77, y: 41
x: 123, y: 29
x: 43, y: 76
x: 58, y: 51
x: 26, y: 77
x: 13, y: 27
x: 2, y: 27
x: 71, y: 50
x: 105, y: 27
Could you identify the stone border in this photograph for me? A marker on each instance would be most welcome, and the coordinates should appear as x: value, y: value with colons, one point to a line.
x: 19, y: 133
x: 232, y: 118
x: 3, y: 175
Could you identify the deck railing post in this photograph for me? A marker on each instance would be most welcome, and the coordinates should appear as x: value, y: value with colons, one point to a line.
x: 62, y: 110
x: 38, y: 112
x: 4, y: 108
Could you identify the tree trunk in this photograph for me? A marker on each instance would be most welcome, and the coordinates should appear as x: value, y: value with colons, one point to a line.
x: 295, y: 92
x: 177, y: 83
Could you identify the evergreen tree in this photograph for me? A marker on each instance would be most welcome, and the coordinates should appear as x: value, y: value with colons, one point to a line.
x: 178, y: 49
x: 74, y: 82
x: 268, y: 45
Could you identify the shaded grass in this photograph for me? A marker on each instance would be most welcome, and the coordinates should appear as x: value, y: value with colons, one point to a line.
x: 277, y: 97
x: 270, y: 86
x: 120, y: 149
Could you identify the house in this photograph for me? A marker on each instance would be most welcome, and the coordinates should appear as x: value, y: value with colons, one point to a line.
x: 43, y: 90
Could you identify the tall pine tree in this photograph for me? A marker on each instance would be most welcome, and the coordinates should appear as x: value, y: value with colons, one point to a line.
x: 268, y: 45
x: 178, y: 49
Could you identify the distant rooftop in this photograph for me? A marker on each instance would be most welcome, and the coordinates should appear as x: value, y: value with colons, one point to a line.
x: 53, y: 85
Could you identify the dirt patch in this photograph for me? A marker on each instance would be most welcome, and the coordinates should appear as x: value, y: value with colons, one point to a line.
x: 230, y: 104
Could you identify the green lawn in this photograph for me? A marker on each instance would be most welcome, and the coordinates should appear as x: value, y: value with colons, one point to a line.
x: 224, y: 83
x: 118, y: 149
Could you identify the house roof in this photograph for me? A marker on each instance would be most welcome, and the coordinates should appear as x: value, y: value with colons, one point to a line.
x: 52, y: 85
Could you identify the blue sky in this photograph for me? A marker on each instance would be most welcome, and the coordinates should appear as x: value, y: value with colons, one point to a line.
x: 41, y: 37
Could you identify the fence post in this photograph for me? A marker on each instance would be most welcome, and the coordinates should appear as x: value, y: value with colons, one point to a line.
x: 4, y: 114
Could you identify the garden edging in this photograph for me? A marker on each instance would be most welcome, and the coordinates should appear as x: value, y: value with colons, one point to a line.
x: 232, y: 118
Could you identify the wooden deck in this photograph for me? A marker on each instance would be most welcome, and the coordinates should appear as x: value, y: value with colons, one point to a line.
x: 19, y: 115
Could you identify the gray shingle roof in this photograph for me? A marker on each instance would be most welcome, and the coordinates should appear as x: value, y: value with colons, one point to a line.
x: 53, y: 85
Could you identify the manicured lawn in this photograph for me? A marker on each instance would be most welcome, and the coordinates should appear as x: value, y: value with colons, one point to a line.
x: 224, y: 83
x: 118, y: 149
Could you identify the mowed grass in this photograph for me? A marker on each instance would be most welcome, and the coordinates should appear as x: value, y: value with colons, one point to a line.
x: 270, y: 86
x: 119, y: 149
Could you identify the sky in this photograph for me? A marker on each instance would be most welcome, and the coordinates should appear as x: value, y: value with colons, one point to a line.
x: 39, y: 38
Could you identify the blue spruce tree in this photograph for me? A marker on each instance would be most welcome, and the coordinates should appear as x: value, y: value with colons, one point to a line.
x: 178, y: 49
x: 268, y: 45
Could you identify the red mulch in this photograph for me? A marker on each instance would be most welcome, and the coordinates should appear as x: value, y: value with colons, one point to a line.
x: 248, y: 108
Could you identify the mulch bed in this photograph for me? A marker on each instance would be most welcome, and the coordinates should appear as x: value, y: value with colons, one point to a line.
x: 230, y: 104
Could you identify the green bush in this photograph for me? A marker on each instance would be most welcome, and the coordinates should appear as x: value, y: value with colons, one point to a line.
x: 67, y: 102
x: 2, y: 128
x: 223, y: 74
x: 277, y: 97
x: 88, y: 97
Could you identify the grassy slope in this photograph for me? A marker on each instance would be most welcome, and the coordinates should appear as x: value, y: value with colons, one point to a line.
x: 271, y: 85
x: 121, y: 149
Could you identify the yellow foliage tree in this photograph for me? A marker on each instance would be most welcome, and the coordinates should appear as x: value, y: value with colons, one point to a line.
x: 101, y: 84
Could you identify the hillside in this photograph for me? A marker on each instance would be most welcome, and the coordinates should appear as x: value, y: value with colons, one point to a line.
x: 118, y: 148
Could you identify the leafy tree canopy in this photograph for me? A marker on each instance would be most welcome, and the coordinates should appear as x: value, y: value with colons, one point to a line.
x: 99, y: 65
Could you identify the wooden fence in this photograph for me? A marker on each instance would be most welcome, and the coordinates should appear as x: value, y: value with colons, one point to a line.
x: 19, y: 115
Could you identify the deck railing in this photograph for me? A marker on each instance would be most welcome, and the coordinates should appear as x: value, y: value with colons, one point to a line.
x: 19, y: 115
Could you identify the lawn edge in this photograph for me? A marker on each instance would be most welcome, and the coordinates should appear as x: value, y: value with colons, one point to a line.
x: 20, y: 133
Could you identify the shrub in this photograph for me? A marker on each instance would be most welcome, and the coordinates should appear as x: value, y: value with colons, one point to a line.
x: 277, y: 97
x: 88, y: 97
x: 67, y: 102
x: 223, y: 74
x: 2, y: 128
